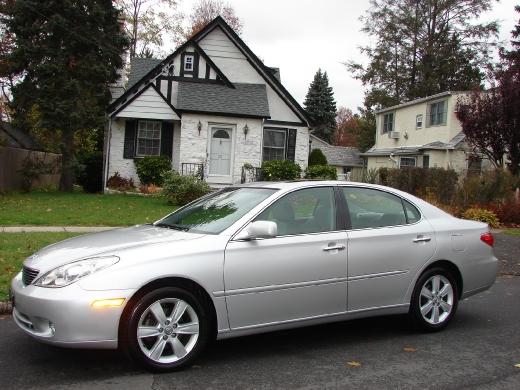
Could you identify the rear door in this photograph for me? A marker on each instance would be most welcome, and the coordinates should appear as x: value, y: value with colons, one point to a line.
x: 388, y: 242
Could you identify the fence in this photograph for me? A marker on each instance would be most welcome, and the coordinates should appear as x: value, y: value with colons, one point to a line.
x: 11, y: 162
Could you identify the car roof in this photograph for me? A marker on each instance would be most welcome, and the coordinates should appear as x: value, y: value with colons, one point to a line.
x: 293, y: 184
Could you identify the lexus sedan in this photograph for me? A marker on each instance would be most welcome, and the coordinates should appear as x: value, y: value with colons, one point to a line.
x: 249, y: 259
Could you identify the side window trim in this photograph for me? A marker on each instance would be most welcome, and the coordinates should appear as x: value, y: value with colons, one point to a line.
x: 342, y: 213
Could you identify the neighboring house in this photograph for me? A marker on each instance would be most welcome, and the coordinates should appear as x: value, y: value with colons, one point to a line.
x: 212, y: 105
x: 346, y: 160
x: 423, y: 133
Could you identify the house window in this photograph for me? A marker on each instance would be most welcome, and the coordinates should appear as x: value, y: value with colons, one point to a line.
x: 474, y: 165
x: 418, y: 121
x: 188, y: 63
x: 426, y: 161
x: 149, y: 138
x: 406, y: 162
x: 388, y: 122
x: 438, y: 113
x: 274, y: 144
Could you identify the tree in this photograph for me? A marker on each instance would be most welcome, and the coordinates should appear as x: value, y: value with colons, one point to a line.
x: 367, y: 128
x: 423, y: 47
x: 316, y: 157
x: 347, y: 128
x: 206, y: 10
x: 149, y: 23
x: 491, y: 120
x: 68, y: 52
x: 321, y: 107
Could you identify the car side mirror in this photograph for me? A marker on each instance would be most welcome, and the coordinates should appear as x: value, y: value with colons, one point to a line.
x: 259, y: 229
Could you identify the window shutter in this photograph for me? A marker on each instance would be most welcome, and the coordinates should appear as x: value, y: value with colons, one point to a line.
x: 167, y: 139
x: 291, y: 144
x: 129, y: 143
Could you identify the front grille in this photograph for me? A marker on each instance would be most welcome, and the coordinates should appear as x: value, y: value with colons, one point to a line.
x: 28, y: 275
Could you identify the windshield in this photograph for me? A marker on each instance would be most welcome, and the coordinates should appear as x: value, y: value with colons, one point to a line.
x: 216, y: 212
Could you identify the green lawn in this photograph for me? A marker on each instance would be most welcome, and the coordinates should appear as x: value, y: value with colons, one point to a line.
x: 79, y: 209
x: 512, y: 232
x: 15, y: 247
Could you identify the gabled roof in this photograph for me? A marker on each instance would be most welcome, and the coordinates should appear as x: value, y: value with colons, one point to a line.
x: 338, y: 155
x: 140, y: 67
x: 270, y: 75
x: 17, y: 138
x: 244, y: 100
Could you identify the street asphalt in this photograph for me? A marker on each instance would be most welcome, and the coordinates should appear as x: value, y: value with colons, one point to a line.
x: 479, y: 350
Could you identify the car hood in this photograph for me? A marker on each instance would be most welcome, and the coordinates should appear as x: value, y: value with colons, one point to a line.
x: 103, y: 243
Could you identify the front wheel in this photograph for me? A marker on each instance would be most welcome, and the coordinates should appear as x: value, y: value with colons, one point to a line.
x: 434, y: 300
x: 167, y: 329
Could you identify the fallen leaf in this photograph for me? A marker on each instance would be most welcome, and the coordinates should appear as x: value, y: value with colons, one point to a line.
x: 49, y: 210
x: 354, y: 363
x: 517, y: 365
x: 410, y: 349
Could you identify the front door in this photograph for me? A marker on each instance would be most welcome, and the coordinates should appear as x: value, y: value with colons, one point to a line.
x: 220, y: 154
x: 300, y: 273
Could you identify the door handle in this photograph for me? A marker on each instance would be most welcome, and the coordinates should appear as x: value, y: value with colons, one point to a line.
x: 334, y: 247
x: 422, y: 239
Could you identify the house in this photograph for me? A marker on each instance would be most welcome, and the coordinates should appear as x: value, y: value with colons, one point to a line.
x: 346, y: 160
x: 423, y: 133
x: 211, y: 106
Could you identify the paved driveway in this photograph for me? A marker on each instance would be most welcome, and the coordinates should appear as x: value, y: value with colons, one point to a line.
x: 478, y: 351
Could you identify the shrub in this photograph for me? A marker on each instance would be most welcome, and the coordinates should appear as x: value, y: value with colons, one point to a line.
x: 151, y: 169
x: 90, y: 175
x: 317, y: 158
x: 275, y: 170
x: 117, y: 182
x: 180, y: 190
x: 32, y: 168
x: 507, y: 212
x: 482, y: 215
x: 325, y: 172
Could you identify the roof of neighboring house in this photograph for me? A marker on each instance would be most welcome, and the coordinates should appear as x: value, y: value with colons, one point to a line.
x: 116, y: 91
x: 338, y: 155
x: 419, y: 100
x: 17, y: 138
x: 244, y: 99
x: 139, y: 67
x: 436, y: 145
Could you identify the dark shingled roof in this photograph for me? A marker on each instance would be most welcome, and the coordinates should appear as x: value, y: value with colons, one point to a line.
x: 17, y: 138
x: 244, y: 99
x: 139, y: 67
x: 340, y: 156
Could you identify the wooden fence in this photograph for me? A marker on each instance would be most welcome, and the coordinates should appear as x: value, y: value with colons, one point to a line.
x: 11, y: 162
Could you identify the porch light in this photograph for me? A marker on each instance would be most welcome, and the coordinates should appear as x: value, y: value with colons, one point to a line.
x: 199, y: 127
x: 246, y: 130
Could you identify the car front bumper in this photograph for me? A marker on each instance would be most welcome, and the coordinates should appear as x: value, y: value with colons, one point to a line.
x: 65, y: 316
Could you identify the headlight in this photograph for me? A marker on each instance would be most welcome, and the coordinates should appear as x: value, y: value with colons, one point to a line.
x: 72, y: 272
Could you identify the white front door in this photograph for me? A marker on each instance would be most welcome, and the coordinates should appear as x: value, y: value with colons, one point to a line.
x: 220, y: 153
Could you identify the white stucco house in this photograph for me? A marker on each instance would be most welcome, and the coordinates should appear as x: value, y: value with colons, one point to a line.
x: 212, y: 105
x: 423, y: 133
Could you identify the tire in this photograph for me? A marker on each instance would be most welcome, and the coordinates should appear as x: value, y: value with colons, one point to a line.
x: 156, y: 336
x: 434, y: 300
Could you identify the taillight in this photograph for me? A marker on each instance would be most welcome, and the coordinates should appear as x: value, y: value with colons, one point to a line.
x: 487, y: 238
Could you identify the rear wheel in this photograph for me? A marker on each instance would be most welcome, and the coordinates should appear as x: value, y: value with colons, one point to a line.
x: 167, y: 329
x: 434, y: 300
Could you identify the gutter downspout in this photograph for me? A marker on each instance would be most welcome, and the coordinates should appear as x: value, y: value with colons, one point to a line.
x: 107, y: 157
x: 393, y: 159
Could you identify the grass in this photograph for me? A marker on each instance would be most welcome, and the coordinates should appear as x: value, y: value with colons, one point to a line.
x: 15, y: 247
x: 512, y: 232
x: 80, y: 209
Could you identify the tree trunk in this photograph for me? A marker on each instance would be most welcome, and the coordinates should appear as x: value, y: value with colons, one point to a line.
x: 67, y: 160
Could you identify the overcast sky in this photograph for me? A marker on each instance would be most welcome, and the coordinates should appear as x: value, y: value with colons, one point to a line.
x: 300, y: 36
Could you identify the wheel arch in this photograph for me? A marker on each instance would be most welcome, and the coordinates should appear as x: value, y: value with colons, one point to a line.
x: 450, y: 267
x: 181, y: 282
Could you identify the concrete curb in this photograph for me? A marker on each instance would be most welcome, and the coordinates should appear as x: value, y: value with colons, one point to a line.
x: 68, y: 229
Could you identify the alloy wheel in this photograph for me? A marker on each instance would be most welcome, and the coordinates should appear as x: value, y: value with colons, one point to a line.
x: 436, y: 299
x: 168, y: 330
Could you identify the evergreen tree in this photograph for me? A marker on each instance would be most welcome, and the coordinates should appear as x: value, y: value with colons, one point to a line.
x: 424, y: 47
x: 68, y: 52
x: 321, y: 107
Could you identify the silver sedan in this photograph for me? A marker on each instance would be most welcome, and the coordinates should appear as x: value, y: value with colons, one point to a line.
x: 251, y: 259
